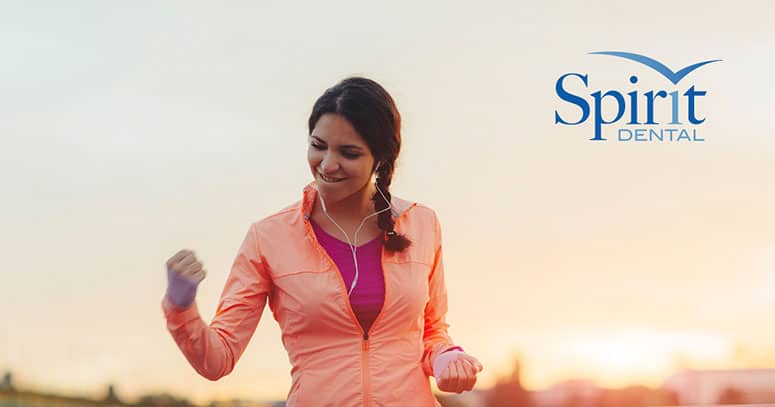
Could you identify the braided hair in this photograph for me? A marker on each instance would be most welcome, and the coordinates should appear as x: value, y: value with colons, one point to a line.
x: 373, y: 114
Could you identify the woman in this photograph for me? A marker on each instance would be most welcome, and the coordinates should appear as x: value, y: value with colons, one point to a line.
x: 353, y: 276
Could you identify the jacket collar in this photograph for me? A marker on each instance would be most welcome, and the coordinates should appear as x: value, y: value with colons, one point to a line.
x: 398, y: 206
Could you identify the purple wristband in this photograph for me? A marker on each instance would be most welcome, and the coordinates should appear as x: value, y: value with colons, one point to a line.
x: 181, y: 290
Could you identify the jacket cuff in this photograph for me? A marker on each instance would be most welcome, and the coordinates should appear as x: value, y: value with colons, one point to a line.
x: 176, y: 316
x: 436, y: 350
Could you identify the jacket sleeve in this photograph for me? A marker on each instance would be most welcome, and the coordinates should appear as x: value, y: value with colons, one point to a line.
x: 214, y: 349
x: 435, y: 338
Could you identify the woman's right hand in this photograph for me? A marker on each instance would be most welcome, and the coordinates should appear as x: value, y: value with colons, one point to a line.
x: 184, y: 273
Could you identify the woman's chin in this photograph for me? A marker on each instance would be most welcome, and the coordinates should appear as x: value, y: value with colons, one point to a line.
x: 331, y: 192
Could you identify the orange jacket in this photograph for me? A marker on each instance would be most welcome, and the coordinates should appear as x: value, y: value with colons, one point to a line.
x: 334, y: 363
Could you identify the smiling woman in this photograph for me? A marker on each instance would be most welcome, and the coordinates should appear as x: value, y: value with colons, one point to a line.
x: 363, y: 324
x: 342, y: 165
x: 360, y: 121
x: 332, y: 159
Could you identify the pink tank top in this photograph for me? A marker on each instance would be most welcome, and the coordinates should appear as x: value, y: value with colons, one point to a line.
x: 368, y: 295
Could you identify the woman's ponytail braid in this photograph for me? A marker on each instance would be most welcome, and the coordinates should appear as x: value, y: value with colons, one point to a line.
x: 393, y: 241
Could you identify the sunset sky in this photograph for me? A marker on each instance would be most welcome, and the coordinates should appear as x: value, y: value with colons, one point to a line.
x: 132, y: 130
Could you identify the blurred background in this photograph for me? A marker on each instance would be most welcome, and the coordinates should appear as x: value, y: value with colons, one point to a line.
x: 580, y: 273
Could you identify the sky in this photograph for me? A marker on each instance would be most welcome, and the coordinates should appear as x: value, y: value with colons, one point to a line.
x: 132, y: 130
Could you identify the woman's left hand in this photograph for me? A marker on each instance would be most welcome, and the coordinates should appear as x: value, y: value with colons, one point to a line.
x: 460, y: 374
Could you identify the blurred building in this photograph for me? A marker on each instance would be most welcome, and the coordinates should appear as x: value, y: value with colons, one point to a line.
x: 7, y: 383
x: 735, y: 386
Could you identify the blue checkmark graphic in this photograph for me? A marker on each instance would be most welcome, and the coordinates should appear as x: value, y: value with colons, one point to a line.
x: 652, y: 63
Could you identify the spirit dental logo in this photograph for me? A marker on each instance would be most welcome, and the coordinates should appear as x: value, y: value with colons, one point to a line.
x: 677, y: 129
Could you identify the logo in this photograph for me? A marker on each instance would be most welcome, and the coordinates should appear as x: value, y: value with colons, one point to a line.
x: 643, y: 124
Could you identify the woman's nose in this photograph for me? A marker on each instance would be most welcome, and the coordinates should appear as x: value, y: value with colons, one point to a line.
x: 329, y: 164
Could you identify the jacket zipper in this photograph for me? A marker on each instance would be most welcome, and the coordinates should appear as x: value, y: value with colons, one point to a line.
x: 365, y: 335
x: 365, y: 353
x: 365, y: 369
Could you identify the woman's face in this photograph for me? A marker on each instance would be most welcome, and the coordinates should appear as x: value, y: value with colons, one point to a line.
x: 339, y: 158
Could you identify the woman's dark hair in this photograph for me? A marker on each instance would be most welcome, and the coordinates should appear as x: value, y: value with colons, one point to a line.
x: 373, y: 113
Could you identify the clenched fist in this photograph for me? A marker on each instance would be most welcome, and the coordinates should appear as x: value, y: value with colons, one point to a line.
x: 184, y: 273
x: 456, y: 371
x: 185, y: 263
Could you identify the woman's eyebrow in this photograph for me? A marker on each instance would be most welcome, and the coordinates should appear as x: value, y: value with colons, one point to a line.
x: 346, y: 146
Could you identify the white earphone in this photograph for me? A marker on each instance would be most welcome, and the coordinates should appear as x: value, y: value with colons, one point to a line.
x: 354, y: 246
